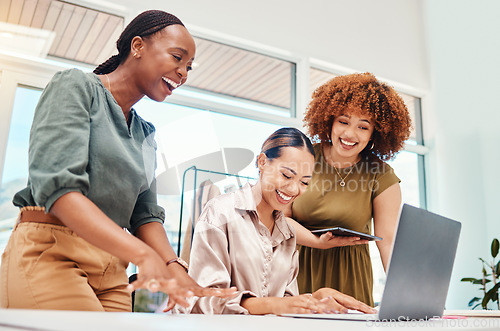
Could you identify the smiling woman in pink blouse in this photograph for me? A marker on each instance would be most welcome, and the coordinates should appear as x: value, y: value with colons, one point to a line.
x: 242, y: 239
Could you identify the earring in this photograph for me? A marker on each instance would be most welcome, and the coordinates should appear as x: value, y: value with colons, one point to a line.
x: 373, y: 144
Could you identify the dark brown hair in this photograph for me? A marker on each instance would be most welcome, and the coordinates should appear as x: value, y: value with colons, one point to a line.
x: 364, y: 93
x: 285, y: 137
x: 143, y: 25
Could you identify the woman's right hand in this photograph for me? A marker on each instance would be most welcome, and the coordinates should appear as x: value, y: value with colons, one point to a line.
x: 328, y: 240
x: 300, y: 304
x: 303, y: 304
x: 184, y: 280
x: 154, y: 276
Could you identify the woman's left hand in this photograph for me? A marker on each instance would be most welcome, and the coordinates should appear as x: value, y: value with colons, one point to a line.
x: 328, y: 240
x: 341, y: 302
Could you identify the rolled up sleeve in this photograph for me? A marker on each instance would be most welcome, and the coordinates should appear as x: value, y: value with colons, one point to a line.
x: 146, y: 210
x: 59, y: 139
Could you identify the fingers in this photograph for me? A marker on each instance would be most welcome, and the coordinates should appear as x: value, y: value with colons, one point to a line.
x: 176, y: 293
x: 354, y: 304
x: 326, y: 236
x: 170, y: 305
x: 309, y: 305
x: 153, y: 285
x: 351, y: 303
x: 348, y: 241
x: 333, y: 305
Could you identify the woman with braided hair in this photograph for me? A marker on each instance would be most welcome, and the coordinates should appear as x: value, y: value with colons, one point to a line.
x: 91, y: 166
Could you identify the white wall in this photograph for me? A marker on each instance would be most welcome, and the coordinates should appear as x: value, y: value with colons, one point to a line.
x: 464, y: 59
x: 383, y: 36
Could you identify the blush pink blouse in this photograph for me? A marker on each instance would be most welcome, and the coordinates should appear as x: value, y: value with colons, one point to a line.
x: 231, y: 247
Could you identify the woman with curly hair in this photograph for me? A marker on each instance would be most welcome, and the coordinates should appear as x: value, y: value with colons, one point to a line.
x: 358, y: 123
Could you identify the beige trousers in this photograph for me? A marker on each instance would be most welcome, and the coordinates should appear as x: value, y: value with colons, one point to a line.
x: 46, y: 266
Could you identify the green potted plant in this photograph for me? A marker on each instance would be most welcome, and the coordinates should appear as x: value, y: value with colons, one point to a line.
x: 490, y: 294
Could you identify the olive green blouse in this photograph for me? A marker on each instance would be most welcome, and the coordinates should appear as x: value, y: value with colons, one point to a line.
x: 326, y: 203
x: 80, y: 141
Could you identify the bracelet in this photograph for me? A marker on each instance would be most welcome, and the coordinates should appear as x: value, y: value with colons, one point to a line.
x: 180, y: 261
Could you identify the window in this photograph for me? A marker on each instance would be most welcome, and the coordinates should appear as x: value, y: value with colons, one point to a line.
x: 15, y: 170
x: 187, y: 136
x: 248, y: 76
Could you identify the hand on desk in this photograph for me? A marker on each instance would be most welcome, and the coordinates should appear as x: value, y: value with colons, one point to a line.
x: 323, y: 301
x: 154, y: 276
x: 185, y: 281
x: 341, y: 302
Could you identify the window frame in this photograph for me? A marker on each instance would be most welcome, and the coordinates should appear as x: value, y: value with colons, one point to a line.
x: 35, y: 72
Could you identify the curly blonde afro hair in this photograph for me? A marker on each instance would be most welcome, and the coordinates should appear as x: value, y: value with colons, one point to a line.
x: 364, y: 94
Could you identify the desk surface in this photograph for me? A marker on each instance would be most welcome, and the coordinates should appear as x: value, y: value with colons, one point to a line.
x: 43, y: 320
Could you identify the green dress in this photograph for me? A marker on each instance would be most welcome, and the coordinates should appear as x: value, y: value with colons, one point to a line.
x: 327, y: 204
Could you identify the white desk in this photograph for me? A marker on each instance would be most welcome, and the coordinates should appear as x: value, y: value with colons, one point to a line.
x: 43, y: 320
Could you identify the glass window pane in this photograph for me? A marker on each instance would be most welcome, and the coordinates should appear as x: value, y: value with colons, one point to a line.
x: 235, y: 72
x: 212, y: 141
x: 15, y: 170
x: 405, y: 166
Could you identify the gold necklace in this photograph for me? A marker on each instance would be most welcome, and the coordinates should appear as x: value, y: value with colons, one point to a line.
x: 109, y: 84
x: 342, y: 180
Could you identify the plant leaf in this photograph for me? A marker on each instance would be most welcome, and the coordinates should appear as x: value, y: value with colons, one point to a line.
x: 472, y: 301
x: 480, y: 281
x: 497, y: 271
x: 469, y: 279
x: 486, y: 299
x: 490, y: 295
x: 494, y: 247
x: 495, y: 288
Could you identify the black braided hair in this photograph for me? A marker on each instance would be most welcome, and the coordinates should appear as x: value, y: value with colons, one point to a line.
x: 143, y: 25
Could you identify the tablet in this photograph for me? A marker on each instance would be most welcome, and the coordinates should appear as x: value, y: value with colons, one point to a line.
x: 338, y: 231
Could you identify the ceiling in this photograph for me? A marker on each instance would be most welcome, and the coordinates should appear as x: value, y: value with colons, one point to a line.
x: 87, y: 35
x: 81, y: 34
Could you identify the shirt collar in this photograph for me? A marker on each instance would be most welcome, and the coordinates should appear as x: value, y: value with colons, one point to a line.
x: 244, y: 200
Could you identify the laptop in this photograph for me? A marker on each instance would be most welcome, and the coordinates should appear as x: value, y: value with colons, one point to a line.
x: 419, y: 269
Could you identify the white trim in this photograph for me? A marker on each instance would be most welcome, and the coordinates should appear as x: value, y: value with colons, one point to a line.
x: 31, y: 65
x: 341, y: 70
x: 107, y: 7
x: 418, y: 149
x: 242, y: 43
x: 186, y: 97
x: 302, y: 89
